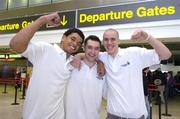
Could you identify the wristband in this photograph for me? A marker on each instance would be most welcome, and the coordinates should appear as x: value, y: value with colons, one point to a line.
x: 147, y: 39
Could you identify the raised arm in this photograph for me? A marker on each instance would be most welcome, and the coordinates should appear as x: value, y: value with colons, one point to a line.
x: 20, y: 41
x: 163, y: 52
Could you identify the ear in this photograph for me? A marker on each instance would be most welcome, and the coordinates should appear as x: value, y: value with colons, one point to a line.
x: 63, y: 38
x: 102, y: 42
x: 83, y: 47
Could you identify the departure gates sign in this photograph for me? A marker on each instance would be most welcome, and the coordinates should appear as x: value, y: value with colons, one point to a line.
x: 67, y: 20
x: 159, y: 10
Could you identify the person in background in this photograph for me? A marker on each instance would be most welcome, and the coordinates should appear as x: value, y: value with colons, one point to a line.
x: 170, y: 85
x: 177, y: 82
x: 161, y: 76
x: 45, y: 93
x: 85, y: 87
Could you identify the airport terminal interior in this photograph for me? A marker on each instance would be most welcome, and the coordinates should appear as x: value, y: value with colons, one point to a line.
x: 159, y: 18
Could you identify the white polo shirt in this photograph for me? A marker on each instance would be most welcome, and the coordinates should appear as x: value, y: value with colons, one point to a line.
x: 125, y: 96
x: 84, y: 94
x: 45, y: 93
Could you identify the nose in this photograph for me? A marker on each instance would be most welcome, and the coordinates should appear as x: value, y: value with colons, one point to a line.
x: 108, y: 41
x: 91, y: 51
x: 75, y: 43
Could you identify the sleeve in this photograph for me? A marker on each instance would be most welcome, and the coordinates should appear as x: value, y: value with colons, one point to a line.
x: 105, y: 88
x: 69, y: 67
x: 149, y: 57
x: 102, y: 56
x: 34, y: 51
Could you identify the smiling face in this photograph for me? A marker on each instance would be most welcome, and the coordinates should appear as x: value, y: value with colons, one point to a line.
x: 92, y: 49
x: 110, y: 41
x: 71, y: 43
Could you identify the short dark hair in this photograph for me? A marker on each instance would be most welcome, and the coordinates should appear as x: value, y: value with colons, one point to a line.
x: 93, y: 38
x: 75, y: 30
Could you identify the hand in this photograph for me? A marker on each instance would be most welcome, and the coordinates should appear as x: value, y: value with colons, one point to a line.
x: 52, y: 19
x: 76, y: 62
x: 100, y: 68
x: 140, y: 36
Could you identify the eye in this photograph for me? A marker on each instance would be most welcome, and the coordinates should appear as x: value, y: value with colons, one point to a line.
x: 97, y: 48
x: 79, y: 43
x: 113, y: 39
x: 73, y: 38
x: 105, y: 39
x: 89, y: 47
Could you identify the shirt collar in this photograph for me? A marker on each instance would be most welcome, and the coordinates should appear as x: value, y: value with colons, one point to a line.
x: 61, y: 51
x: 120, y: 52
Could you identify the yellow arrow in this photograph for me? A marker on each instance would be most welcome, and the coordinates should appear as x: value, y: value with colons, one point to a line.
x: 64, y: 21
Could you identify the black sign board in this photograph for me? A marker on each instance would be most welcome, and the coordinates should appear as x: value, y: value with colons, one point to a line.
x: 148, y: 11
x: 67, y: 20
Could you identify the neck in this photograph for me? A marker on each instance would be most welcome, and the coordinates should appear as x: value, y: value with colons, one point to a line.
x: 115, y: 53
x: 89, y: 63
x: 67, y: 55
x: 60, y: 45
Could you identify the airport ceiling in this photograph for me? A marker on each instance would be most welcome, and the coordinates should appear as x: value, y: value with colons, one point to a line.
x: 172, y: 43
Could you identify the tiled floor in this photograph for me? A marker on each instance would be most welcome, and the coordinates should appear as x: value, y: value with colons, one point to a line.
x: 8, y: 111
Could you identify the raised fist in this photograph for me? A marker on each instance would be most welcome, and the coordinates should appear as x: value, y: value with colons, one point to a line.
x: 139, y: 35
x: 52, y: 19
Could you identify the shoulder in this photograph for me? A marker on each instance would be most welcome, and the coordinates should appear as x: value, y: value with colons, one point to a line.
x: 135, y: 49
x: 39, y: 47
x: 102, y: 55
x: 39, y: 44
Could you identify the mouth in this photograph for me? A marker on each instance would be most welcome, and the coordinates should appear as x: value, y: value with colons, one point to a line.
x: 92, y: 55
x: 73, y: 48
x: 110, y: 47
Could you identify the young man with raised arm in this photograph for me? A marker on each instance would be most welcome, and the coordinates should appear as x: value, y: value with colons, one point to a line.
x: 45, y: 93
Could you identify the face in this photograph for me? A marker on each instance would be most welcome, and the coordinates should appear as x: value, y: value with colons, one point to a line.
x: 92, y: 49
x: 71, y: 43
x: 110, y: 42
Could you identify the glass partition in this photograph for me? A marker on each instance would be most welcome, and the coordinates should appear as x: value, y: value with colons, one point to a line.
x: 17, y: 4
x: 3, y: 4
x: 38, y: 2
x: 55, y: 1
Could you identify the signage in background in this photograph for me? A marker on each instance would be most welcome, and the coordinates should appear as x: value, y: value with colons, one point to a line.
x: 159, y: 10
x: 67, y: 20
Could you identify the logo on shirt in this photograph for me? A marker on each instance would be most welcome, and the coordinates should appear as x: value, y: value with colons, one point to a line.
x: 125, y: 64
x: 99, y: 77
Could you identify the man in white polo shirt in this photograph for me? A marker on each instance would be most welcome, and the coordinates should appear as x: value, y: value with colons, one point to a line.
x: 85, y: 87
x: 45, y: 94
x: 125, y: 97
